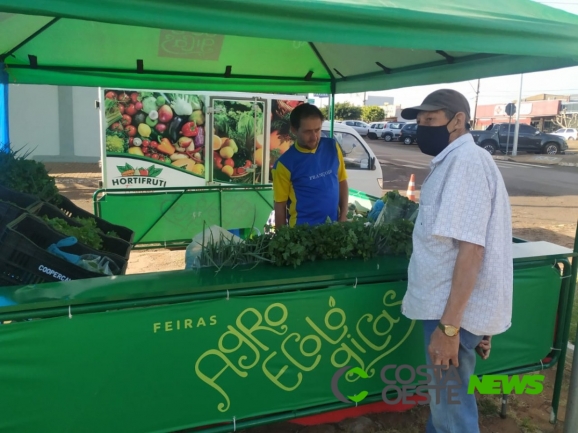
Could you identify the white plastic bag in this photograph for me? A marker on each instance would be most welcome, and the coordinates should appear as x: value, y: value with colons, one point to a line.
x: 212, y: 234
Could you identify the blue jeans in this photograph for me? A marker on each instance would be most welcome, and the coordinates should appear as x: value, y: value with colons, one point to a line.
x: 454, y: 418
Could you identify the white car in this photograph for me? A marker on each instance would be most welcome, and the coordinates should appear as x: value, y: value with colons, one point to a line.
x: 567, y: 133
x: 363, y: 169
x: 375, y: 130
x: 358, y: 125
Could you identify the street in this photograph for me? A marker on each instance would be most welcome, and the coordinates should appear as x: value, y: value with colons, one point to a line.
x: 544, y: 198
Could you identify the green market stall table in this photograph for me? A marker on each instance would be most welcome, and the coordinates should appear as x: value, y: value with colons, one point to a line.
x: 167, y: 351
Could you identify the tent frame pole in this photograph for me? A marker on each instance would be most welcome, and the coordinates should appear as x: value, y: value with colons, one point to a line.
x: 571, y: 419
x: 28, y: 39
x: 4, y: 111
x: 332, y: 108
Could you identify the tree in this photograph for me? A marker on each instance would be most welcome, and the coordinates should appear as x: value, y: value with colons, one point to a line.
x: 347, y: 111
x: 372, y: 113
x: 325, y: 112
x: 565, y: 120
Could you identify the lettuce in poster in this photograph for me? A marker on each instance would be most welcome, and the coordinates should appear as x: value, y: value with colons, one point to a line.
x: 238, y: 141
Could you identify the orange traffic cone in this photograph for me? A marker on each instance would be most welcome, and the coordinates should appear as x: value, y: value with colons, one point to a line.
x: 411, y: 188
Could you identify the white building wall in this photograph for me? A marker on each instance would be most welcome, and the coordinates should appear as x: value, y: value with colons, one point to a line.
x: 34, y: 120
x: 86, y: 127
x: 55, y: 123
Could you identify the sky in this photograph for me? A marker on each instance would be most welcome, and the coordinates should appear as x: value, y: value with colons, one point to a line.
x: 492, y: 90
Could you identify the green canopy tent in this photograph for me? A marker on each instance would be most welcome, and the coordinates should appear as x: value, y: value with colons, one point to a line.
x: 287, y: 46
x: 293, y: 46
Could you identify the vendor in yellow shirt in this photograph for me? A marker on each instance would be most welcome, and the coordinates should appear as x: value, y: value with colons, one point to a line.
x: 309, y: 180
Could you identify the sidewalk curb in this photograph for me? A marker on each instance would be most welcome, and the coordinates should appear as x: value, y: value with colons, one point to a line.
x: 543, y: 160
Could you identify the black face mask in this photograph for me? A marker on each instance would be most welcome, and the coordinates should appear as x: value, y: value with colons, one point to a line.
x: 432, y: 140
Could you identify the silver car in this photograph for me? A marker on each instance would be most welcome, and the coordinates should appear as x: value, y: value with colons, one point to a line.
x: 392, y: 131
x: 361, y: 127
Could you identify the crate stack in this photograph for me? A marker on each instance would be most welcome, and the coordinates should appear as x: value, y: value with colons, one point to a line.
x: 25, y: 237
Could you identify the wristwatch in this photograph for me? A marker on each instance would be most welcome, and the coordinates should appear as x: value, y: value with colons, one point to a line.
x: 449, y: 330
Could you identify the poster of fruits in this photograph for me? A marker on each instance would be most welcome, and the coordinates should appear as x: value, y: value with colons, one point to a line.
x: 280, y: 134
x: 164, y: 127
x: 239, y: 128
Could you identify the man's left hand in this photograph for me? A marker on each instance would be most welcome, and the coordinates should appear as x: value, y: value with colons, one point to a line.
x: 342, y: 218
x: 443, y: 350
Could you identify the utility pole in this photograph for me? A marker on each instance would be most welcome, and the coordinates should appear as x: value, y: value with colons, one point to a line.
x: 517, y: 128
x: 476, y: 106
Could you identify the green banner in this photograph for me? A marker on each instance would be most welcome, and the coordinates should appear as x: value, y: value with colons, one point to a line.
x: 170, y: 367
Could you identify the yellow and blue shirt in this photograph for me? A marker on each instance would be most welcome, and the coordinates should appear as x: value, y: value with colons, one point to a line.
x: 308, y: 180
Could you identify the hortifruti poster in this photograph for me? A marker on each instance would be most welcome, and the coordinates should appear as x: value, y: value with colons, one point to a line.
x: 153, y: 139
x: 160, y: 139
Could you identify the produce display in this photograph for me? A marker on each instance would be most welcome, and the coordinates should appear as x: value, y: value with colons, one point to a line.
x: 238, y: 141
x: 166, y: 127
x: 360, y: 237
x: 281, y: 138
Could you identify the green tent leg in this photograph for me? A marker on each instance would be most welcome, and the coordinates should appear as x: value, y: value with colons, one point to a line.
x: 571, y: 420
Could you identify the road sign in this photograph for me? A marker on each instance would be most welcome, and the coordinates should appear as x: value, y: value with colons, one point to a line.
x: 321, y: 95
x: 510, y: 109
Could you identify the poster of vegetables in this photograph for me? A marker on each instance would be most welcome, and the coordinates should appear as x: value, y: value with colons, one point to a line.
x: 167, y: 128
x: 280, y: 136
x: 239, y: 128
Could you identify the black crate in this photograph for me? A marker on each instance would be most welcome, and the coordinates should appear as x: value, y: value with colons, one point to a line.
x: 13, y: 204
x: 20, y: 199
x: 8, y: 213
x: 71, y: 210
x: 24, y: 259
x: 110, y: 244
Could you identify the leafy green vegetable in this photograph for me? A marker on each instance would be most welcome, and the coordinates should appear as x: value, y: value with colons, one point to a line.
x: 111, y: 111
x: 239, y: 121
x: 87, y: 233
x: 26, y: 175
x: 149, y: 104
x: 292, y: 246
x: 398, y: 207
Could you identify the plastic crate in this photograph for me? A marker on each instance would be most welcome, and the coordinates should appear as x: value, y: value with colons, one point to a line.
x: 71, y: 210
x: 20, y: 199
x: 110, y: 244
x: 24, y: 259
x: 8, y: 213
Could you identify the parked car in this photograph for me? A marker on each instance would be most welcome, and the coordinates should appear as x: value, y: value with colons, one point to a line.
x: 567, y: 133
x: 375, y: 129
x: 530, y: 139
x: 408, y: 133
x: 363, y: 169
x: 360, y: 126
x: 392, y: 131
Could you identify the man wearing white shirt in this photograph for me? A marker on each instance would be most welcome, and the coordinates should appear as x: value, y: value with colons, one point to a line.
x: 460, y: 277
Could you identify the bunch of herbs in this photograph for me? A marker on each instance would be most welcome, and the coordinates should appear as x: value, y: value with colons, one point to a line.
x: 28, y: 176
x: 86, y: 233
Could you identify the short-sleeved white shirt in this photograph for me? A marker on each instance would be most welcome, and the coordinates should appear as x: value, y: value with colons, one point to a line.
x: 462, y: 199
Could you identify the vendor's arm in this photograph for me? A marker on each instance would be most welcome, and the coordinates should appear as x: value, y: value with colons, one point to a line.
x: 343, y: 187
x: 281, y: 189
x: 280, y: 214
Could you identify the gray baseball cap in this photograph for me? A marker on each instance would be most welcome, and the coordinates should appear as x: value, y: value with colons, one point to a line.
x: 447, y: 99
